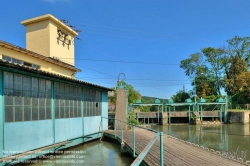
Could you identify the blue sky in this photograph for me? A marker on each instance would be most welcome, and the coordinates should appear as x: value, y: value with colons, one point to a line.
x: 144, y: 39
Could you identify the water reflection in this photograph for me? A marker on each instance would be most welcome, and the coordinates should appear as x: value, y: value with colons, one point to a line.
x: 226, y: 137
x: 94, y: 153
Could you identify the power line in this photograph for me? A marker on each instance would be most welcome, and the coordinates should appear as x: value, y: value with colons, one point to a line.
x: 143, y: 32
x: 119, y: 61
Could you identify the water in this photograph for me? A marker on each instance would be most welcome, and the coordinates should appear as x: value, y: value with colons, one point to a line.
x: 226, y: 137
x: 94, y: 153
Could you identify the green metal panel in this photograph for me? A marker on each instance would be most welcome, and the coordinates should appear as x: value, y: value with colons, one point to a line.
x: 157, y: 101
x: 170, y: 101
x: 188, y: 101
x: 1, y: 115
x: 82, y: 110
x: 138, y: 101
x: 220, y: 100
x: 202, y: 100
x: 53, y: 109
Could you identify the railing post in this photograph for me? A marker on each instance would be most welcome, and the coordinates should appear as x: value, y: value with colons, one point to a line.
x: 161, y: 149
x: 144, y: 120
x: 148, y: 120
x: 101, y: 124
x: 133, y: 134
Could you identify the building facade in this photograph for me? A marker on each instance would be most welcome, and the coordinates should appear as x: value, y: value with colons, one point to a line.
x: 42, y: 105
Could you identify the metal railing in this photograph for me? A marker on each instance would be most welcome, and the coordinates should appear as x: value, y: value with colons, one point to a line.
x: 144, y: 117
x: 119, y: 123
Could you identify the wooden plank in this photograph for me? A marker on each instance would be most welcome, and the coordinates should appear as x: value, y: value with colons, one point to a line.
x: 176, y: 152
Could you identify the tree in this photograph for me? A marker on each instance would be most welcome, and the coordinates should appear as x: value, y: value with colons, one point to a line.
x: 238, y: 66
x: 239, y: 46
x: 215, y: 57
x: 180, y: 96
x: 191, y: 65
x: 133, y: 95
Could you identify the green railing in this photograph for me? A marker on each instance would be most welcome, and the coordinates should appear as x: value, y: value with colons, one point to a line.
x: 144, y: 152
x: 144, y: 117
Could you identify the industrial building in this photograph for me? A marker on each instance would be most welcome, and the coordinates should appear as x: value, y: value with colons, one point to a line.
x: 42, y: 106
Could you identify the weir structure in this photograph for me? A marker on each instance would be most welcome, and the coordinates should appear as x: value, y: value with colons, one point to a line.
x: 195, y: 112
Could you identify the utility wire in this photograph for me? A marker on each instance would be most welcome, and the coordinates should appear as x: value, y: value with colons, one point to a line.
x: 120, y: 61
x: 143, y: 32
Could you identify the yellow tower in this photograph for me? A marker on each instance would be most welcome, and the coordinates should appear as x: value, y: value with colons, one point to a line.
x: 50, y: 37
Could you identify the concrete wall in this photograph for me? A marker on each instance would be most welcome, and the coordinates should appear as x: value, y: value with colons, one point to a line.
x: 42, y: 37
x: 238, y: 117
x: 121, y: 103
x: 178, y: 114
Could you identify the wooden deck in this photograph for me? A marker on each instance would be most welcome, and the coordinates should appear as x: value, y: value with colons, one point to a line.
x: 176, y: 152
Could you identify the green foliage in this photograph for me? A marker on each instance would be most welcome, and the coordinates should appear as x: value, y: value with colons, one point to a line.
x: 180, y: 96
x: 190, y: 65
x: 131, y: 118
x: 230, y: 62
x: 133, y: 95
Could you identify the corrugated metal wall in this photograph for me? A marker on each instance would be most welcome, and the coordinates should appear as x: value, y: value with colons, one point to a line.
x: 36, y: 112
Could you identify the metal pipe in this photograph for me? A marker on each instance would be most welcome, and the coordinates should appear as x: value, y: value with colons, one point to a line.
x: 161, y: 149
x: 144, y: 152
x: 133, y: 134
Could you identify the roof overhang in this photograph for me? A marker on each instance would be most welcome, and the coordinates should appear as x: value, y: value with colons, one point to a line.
x: 38, y: 56
x: 52, y: 18
x: 10, y: 66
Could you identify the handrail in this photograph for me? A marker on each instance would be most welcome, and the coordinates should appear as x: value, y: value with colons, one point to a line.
x: 141, y: 156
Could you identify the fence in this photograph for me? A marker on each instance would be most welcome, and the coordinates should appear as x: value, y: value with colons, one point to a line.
x: 131, y: 136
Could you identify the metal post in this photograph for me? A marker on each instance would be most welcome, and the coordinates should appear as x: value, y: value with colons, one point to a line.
x: 161, y: 149
x: 221, y: 113
x: 158, y: 117
x: 129, y: 119
x: 169, y: 119
x: 148, y: 120
x: 201, y: 112
x: 133, y: 134
x: 188, y: 114
x: 53, y: 110
x: 144, y: 120
x: 101, y: 124
x: 1, y: 114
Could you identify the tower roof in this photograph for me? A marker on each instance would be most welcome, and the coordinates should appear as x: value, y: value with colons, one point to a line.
x: 52, y: 18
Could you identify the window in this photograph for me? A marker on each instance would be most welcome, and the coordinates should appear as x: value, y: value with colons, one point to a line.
x: 26, y: 98
x: 92, y: 102
x: 13, y: 60
x: 67, y: 101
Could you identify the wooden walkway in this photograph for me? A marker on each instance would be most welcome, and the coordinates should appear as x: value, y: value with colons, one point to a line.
x: 176, y: 152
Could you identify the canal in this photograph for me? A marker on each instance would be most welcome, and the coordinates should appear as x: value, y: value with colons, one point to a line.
x: 93, y: 153
x: 233, y: 138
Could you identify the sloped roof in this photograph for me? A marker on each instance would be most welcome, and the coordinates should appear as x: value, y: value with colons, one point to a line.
x: 8, y: 64
x: 36, y: 55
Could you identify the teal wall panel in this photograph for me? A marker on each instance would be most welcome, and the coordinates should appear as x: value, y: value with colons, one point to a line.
x: 24, y: 136
x: 91, y: 124
x: 1, y: 116
x: 105, y: 110
x: 68, y: 128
